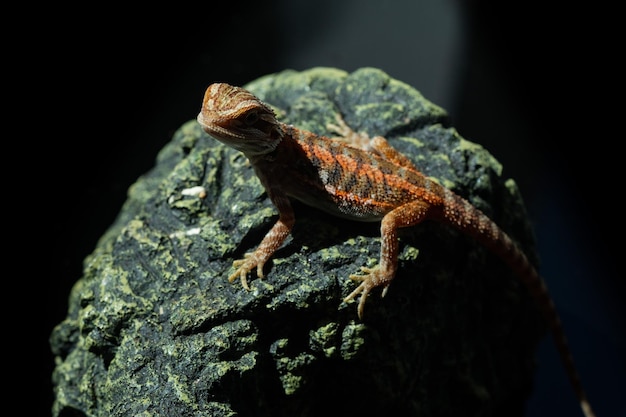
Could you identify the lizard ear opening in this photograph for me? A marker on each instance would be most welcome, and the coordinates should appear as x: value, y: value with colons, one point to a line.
x: 251, y: 118
x: 276, y: 134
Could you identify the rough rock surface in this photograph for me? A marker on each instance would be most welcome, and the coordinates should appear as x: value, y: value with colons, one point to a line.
x: 155, y: 329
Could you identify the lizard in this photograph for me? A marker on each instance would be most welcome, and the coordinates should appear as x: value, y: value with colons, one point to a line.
x: 359, y: 178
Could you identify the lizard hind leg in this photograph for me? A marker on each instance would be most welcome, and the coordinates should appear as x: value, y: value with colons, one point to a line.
x: 348, y: 136
x: 384, y: 149
x: 408, y: 214
x: 378, y: 144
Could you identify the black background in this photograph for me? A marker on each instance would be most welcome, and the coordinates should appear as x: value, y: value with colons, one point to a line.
x: 103, y: 91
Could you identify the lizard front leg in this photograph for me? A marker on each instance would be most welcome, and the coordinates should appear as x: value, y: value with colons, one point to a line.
x: 270, y: 243
x: 382, y: 274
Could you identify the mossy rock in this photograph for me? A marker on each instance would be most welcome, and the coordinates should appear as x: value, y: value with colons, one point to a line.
x: 155, y: 329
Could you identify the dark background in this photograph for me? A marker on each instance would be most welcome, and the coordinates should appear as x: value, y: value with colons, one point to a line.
x: 532, y: 84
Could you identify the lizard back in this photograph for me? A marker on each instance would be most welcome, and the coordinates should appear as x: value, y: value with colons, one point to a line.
x: 343, y: 180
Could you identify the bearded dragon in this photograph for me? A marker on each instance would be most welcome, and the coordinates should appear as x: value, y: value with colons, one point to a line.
x: 357, y: 178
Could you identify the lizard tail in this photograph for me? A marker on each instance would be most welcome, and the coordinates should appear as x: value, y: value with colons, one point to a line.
x: 468, y: 219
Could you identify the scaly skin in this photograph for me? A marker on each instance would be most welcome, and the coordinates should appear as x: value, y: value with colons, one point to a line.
x: 357, y: 178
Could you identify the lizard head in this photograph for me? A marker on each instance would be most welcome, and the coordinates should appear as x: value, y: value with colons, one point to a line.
x: 240, y: 120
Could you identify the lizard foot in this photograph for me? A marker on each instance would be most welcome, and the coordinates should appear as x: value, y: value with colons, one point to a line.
x: 373, y: 277
x: 245, y: 265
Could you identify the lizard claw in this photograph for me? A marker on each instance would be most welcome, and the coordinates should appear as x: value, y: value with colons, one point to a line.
x: 243, y: 267
x: 372, y: 278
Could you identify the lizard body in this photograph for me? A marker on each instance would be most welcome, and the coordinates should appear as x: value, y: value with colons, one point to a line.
x: 358, y: 178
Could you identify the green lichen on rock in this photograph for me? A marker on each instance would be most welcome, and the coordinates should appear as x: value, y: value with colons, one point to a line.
x: 155, y: 329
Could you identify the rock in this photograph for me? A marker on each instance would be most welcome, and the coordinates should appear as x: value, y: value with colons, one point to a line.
x: 155, y: 329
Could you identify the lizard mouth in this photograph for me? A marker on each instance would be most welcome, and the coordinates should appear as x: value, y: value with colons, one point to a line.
x: 219, y: 132
x: 249, y: 140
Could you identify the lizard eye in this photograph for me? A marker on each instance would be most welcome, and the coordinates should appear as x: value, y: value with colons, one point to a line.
x: 251, y: 118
